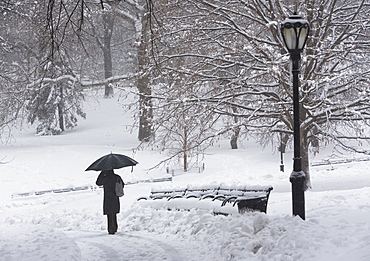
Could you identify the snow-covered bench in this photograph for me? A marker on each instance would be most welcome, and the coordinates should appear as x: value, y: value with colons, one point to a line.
x: 247, y: 198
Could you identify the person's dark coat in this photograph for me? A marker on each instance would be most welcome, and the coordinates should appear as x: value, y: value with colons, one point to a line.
x: 108, y: 179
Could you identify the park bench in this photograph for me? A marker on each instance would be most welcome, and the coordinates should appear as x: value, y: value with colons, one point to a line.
x: 253, y: 198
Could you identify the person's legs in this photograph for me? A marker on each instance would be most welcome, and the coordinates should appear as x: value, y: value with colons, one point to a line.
x: 111, y: 223
x: 115, y: 224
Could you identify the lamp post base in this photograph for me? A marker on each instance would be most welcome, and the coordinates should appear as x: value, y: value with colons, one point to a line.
x: 297, y: 178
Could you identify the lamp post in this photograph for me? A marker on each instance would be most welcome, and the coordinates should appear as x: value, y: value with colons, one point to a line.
x: 295, y: 31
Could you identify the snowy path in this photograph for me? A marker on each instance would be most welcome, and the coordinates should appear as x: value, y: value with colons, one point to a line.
x: 122, y: 247
x: 74, y: 220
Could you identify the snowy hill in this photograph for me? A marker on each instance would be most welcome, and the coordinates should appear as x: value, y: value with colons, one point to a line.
x: 70, y: 226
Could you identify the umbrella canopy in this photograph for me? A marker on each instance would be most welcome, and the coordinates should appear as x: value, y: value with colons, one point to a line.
x: 112, y: 161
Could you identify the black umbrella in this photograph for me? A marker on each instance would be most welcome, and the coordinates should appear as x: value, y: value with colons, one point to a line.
x: 112, y: 161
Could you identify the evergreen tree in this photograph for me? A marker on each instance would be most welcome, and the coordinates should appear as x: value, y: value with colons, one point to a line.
x: 56, y: 104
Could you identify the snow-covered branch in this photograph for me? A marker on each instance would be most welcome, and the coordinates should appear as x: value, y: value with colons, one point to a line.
x: 82, y: 83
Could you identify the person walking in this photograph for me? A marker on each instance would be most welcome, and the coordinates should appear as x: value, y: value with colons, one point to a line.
x: 111, y: 203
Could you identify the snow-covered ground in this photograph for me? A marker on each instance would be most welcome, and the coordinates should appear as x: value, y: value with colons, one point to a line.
x: 70, y: 226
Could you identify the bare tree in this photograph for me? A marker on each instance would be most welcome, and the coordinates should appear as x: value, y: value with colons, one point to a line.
x: 108, y: 22
x: 183, y: 129
x: 136, y: 12
x: 239, y: 42
x: 15, y: 52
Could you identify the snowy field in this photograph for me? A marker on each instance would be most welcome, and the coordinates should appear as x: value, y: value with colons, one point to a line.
x: 70, y: 226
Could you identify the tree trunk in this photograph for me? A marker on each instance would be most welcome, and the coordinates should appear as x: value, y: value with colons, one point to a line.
x: 236, y: 132
x: 185, y: 161
x: 145, y: 102
x: 305, y: 160
x: 283, y: 143
x: 185, y: 147
x: 145, y: 108
x: 60, y: 109
x: 108, y: 21
x: 234, y: 138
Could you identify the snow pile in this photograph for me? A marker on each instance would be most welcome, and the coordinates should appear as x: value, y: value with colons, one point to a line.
x: 251, y: 236
x: 63, y: 212
x: 36, y: 242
